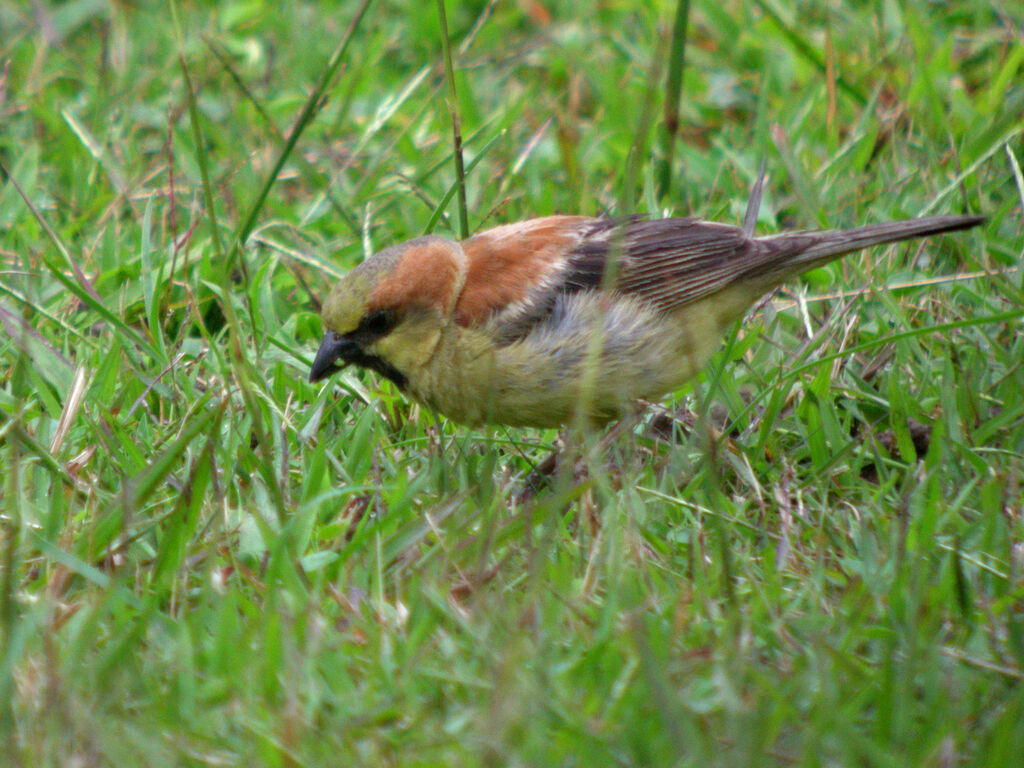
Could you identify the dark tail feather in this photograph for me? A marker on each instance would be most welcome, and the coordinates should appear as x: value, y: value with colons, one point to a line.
x: 793, y: 253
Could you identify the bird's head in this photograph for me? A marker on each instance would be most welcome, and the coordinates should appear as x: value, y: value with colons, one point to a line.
x: 388, y: 313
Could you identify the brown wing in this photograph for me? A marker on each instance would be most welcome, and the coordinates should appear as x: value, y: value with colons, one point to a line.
x: 518, y: 273
x: 668, y: 262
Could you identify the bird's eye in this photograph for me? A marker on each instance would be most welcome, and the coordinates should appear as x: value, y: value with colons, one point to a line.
x: 378, y: 323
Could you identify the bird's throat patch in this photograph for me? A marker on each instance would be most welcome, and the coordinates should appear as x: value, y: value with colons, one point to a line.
x: 381, y: 366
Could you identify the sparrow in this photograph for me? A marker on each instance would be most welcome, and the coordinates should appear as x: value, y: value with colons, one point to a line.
x: 543, y: 321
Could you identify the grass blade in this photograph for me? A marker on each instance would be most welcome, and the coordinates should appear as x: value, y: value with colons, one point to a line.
x: 452, y: 103
x: 673, y: 94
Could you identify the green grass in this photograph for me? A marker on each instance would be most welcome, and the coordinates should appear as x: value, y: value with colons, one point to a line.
x: 205, y: 560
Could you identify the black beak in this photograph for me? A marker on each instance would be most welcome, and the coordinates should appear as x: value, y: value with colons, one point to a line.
x: 333, y: 348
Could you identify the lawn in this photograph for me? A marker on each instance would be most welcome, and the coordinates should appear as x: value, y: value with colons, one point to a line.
x: 813, y: 555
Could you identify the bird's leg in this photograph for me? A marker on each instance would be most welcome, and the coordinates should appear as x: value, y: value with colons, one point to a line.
x: 540, y: 474
x: 579, y: 459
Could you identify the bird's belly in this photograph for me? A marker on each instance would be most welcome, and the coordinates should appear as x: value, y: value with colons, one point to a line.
x: 594, y: 362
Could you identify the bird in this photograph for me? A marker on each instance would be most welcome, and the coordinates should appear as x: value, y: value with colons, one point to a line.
x: 551, y: 320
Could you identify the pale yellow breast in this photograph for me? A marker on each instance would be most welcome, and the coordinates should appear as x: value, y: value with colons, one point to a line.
x: 598, y: 357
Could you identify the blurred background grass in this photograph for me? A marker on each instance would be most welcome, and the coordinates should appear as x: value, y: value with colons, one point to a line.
x: 813, y: 556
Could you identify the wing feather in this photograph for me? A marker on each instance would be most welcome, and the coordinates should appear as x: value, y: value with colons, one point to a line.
x: 674, y: 262
x: 519, y: 272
